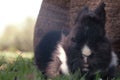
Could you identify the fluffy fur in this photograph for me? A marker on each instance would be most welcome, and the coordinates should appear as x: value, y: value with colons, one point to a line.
x: 89, y: 31
x: 44, y: 53
x: 85, y: 48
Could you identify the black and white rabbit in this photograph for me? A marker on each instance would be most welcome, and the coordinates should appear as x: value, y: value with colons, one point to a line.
x: 89, y: 49
x: 85, y: 48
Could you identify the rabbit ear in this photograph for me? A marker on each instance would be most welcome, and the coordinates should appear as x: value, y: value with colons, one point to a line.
x: 83, y: 11
x: 100, y: 11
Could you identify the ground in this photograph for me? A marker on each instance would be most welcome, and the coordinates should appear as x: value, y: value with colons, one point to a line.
x: 20, y: 66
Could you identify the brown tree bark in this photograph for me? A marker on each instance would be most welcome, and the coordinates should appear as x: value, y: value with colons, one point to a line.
x: 53, y: 15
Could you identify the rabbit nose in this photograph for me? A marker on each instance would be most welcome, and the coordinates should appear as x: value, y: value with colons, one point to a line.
x: 85, y: 69
x: 85, y: 62
x: 86, y: 65
x: 85, y: 59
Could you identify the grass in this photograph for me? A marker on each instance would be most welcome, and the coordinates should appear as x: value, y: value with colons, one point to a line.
x: 20, y: 66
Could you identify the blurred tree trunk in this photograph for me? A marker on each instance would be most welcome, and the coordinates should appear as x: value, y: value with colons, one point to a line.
x: 53, y: 15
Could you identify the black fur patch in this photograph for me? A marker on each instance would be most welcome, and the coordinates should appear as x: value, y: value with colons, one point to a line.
x: 44, y: 50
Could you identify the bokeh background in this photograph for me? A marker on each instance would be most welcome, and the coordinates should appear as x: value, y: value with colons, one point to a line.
x: 17, y: 20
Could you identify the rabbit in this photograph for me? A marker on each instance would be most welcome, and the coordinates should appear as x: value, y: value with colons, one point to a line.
x: 84, y: 48
x: 87, y: 47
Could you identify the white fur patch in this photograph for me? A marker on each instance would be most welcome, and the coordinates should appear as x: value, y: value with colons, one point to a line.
x: 114, y: 61
x: 85, y: 59
x: 63, y: 59
x: 86, y: 51
x: 100, y: 79
x: 85, y: 69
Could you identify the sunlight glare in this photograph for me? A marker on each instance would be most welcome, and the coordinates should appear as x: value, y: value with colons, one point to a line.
x: 15, y: 11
